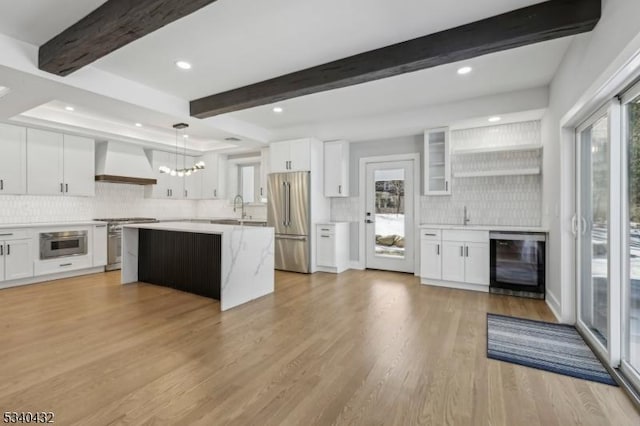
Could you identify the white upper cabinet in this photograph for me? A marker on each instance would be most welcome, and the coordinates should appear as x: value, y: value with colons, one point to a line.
x: 214, y: 176
x: 60, y: 164
x: 79, y: 166
x: 170, y: 187
x: 45, y: 162
x: 336, y: 169
x: 437, y: 162
x: 13, y: 159
x: 290, y: 156
x: 193, y: 182
x: 264, y: 173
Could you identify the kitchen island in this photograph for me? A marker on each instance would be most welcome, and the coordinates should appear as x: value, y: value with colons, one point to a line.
x: 234, y: 264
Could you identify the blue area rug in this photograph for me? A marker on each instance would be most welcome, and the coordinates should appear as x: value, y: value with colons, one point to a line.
x: 553, y: 347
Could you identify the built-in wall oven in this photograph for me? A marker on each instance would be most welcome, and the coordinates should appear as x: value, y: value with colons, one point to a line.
x: 54, y: 245
x: 518, y: 263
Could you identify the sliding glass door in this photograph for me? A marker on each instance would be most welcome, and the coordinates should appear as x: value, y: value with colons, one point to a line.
x: 631, y: 238
x: 592, y: 224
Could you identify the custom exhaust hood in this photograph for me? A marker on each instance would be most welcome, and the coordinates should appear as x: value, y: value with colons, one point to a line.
x: 119, y: 162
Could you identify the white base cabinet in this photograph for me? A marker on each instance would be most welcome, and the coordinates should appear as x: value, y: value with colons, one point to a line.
x: 332, y: 247
x: 455, y: 258
x: 99, y: 245
x: 16, y: 254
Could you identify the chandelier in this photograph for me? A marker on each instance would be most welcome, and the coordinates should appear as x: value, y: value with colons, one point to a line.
x: 184, y: 171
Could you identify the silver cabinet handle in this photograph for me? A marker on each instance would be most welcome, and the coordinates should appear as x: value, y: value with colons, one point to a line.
x: 461, y: 251
x: 431, y: 235
x: 1, y: 250
x: 1, y: 184
x: 339, y: 189
x: 65, y: 264
x: 101, y: 226
x: 6, y: 235
x: 446, y: 185
x: 325, y: 229
x: 66, y: 187
x: 438, y: 249
x: 261, y: 191
x: 215, y: 193
x: 325, y: 236
x: 8, y: 249
x: 62, y: 187
x: 186, y: 193
x: 466, y: 251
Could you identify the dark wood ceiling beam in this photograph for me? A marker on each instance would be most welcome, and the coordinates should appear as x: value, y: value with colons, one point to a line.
x: 111, y: 26
x: 540, y: 22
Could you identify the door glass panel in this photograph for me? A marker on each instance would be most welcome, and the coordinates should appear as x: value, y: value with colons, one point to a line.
x: 390, y: 220
x: 594, y: 241
x: 632, y: 292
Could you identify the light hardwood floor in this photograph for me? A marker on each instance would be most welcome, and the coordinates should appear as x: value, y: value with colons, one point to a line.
x: 363, y: 347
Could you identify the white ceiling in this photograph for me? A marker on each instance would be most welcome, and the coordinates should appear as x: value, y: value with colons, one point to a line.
x: 37, y: 21
x: 233, y: 43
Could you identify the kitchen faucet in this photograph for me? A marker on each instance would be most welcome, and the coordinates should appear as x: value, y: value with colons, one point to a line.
x: 466, y: 218
x: 241, y: 205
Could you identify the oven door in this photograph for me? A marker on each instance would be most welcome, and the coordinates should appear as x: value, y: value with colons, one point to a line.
x: 518, y: 262
x: 54, y: 245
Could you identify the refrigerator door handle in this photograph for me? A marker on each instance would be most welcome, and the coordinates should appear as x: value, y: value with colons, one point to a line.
x: 291, y: 237
x: 289, y: 204
x: 284, y: 204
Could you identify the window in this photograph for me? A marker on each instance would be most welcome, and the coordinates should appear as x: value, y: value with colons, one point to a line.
x: 249, y: 182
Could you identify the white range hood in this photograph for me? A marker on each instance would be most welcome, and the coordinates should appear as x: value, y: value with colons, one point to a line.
x: 120, y: 162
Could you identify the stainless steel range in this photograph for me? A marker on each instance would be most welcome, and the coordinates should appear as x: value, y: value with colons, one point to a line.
x: 114, y: 238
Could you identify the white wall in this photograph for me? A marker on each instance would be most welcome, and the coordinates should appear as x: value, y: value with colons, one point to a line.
x: 586, y: 62
x: 514, y: 201
x: 112, y: 200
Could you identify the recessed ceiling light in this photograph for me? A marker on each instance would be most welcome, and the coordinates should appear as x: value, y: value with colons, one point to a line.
x: 138, y: 124
x: 185, y: 136
x: 183, y: 65
x: 69, y: 108
x: 494, y: 119
x: 278, y: 110
x: 464, y: 70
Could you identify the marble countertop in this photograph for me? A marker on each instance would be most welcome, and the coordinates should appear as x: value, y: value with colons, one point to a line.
x: 184, y: 219
x: 497, y: 228
x: 50, y: 224
x: 200, y: 228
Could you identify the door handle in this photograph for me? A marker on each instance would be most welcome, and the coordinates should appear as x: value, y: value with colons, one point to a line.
x: 369, y: 221
x: 574, y: 225
x: 584, y: 225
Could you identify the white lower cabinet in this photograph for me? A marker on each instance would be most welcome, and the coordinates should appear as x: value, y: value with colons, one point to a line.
x: 455, y: 258
x: 431, y: 254
x: 332, y: 247
x: 16, y: 259
x: 452, y: 261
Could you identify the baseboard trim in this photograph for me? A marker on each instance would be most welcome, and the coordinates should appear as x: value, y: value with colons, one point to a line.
x: 554, y: 306
x: 52, y: 277
x: 355, y: 264
x: 459, y: 286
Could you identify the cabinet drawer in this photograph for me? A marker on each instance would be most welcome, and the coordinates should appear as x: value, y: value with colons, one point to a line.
x: 63, y: 264
x: 465, y: 236
x: 326, y: 229
x: 431, y: 234
x: 14, y: 234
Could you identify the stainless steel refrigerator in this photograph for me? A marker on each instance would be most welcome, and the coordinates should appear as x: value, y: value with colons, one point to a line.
x: 288, y: 212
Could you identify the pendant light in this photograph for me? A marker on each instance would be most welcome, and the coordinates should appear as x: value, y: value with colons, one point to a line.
x: 184, y: 171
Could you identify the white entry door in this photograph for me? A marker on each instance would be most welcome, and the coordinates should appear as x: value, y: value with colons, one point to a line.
x: 390, y: 241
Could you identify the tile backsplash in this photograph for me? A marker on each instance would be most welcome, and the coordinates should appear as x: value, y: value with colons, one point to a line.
x: 111, y: 200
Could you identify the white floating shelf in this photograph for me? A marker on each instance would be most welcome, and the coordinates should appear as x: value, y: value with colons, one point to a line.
x: 511, y: 172
x: 509, y: 148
